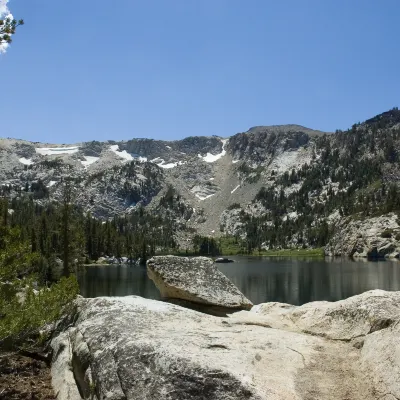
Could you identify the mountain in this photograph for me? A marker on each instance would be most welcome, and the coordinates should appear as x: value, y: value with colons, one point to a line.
x: 271, y: 187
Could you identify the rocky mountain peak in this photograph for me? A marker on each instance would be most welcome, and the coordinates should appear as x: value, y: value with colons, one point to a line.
x: 285, y: 178
x: 284, y: 129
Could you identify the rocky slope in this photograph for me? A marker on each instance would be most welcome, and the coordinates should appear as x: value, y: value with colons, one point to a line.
x: 114, y: 176
x: 278, y: 186
x: 372, y: 237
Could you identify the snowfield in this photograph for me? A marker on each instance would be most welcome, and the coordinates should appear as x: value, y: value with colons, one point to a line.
x: 203, y: 193
x: 26, y: 161
x: 210, y: 158
x: 89, y: 160
x: 200, y: 197
x: 161, y: 163
x: 54, y: 151
x: 125, y: 155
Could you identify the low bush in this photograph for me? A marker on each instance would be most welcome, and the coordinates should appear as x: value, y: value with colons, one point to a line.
x: 387, y: 233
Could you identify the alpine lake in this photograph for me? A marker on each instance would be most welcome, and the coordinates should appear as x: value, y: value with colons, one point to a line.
x: 261, y: 279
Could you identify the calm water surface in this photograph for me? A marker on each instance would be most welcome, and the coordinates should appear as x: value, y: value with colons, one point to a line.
x: 286, y: 280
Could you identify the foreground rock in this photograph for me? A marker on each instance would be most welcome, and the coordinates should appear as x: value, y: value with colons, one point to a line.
x: 131, y: 348
x: 196, y: 280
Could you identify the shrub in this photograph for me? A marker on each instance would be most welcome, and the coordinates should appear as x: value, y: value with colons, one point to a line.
x: 28, y: 311
x: 24, y: 310
x: 387, y: 233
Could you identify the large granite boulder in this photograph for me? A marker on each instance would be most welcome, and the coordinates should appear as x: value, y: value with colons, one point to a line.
x: 130, y: 348
x: 196, y: 280
x: 345, y: 320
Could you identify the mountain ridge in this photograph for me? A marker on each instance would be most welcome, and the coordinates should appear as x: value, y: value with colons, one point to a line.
x: 261, y: 185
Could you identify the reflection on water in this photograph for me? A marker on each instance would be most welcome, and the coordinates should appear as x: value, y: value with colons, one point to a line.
x: 293, y: 281
x: 116, y: 280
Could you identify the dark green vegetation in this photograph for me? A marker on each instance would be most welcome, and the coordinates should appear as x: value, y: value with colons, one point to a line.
x: 356, y: 174
x: 8, y: 28
x: 62, y: 232
x: 43, y: 245
x: 29, y: 298
x: 229, y: 246
x: 234, y: 246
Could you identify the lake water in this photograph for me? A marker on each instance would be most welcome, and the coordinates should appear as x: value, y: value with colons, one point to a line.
x: 261, y: 279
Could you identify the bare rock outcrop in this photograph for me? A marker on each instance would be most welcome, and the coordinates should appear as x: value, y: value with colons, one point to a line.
x: 196, y: 280
x: 130, y: 348
x: 377, y: 237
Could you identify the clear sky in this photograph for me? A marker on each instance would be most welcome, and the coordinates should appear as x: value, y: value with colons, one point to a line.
x: 118, y: 69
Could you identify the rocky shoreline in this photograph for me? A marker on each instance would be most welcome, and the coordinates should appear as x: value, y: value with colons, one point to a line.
x: 135, y: 348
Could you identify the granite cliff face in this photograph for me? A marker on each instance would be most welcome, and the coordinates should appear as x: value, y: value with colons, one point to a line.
x: 275, y: 187
x: 375, y: 237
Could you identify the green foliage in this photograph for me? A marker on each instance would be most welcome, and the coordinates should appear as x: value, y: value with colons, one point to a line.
x: 62, y: 232
x: 16, y: 259
x: 8, y: 28
x: 30, y: 310
x: 205, y: 246
x: 387, y: 233
x: 230, y: 245
x: 318, y: 252
x: 27, y: 300
x: 356, y: 175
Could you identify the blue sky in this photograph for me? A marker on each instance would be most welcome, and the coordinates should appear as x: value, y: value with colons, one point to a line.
x: 97, y: 70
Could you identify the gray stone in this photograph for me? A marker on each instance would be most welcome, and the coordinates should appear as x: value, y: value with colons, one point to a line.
x: 61, y: 369
x: 380, y: 358
x: 196, y: 280
x: 131, y: 348
x: 341, y: 320
x: 366, y: 238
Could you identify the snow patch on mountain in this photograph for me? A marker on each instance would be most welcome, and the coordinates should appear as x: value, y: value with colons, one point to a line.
x: 200, y: 197
x: 125, y: 155
x: 54, y: 151
x: 162, y: 164
x: 26, y: 161
x: 203, y: 192
x: 210, y: 158
x: 236, y: 188
x: 89, y: 160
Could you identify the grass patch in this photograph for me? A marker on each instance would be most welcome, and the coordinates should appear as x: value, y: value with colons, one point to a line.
x: 292, y: 253
x: 230, y: 246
